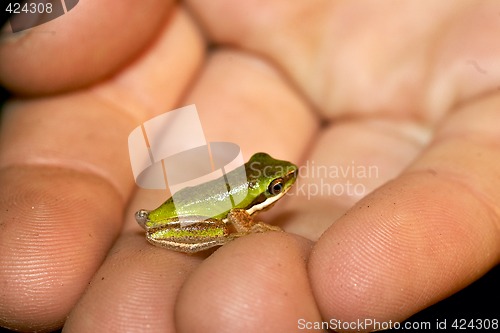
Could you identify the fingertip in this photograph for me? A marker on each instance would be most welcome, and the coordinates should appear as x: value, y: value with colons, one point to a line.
x: 83, y: 46
x: 56, y: 229
x: 257, y: 281
x: 135, y: 288
x: 405, y: 247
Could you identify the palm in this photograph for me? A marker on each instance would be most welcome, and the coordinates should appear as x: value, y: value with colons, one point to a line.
x: 343, y: 86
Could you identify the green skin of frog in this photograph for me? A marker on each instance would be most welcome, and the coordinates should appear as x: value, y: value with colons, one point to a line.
x: 190, y: 225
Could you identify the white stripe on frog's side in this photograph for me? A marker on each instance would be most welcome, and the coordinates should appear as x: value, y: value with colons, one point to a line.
x: 264, y: 204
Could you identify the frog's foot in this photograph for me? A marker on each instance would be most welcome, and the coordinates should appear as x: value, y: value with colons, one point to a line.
x: 264, y: 227
x: 244, y: 223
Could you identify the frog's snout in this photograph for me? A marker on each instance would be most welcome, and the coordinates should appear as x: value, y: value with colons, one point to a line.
x: 141, y: 216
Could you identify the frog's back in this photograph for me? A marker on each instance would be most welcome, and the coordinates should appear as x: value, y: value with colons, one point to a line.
x: 208, y: 199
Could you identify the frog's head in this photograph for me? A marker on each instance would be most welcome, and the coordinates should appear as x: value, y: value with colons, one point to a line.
x: 268, y: 180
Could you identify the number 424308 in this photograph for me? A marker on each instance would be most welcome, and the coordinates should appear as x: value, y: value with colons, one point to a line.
x: 32, y: 8
x: 462, y: 324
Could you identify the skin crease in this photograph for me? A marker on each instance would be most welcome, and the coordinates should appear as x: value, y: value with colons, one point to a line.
x: 411, y: 89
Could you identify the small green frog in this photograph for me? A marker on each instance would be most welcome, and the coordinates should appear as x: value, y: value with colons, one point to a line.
x: 194, y: 226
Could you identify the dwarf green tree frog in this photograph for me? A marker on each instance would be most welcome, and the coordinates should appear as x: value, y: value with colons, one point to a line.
x: 198, y: 228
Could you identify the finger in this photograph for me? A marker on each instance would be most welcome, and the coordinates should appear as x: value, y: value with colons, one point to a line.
x: 92, y: 41
x: 333, y: 52
x: 136, y: 288
x: 257, y: 283
x: 263, y: 110
x: 66, y: 156
x: 56, y: 226
x: 421, y: 237
x: 156, y: 80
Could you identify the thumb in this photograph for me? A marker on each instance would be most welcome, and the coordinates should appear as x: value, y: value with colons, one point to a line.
x: 424, y: 235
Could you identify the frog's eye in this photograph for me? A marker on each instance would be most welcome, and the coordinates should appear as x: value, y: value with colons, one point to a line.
x: 276, y: 186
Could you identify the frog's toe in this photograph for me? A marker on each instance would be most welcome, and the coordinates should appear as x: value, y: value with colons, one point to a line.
x: 264, y: 227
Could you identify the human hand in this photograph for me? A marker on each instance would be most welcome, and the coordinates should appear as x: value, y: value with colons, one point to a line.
x: 420, y: 237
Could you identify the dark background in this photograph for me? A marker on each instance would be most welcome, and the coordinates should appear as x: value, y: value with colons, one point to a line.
x: 480, y: 300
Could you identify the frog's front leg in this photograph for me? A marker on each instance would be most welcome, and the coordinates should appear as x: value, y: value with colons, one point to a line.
x: 189, y: 235
x: 244, y: 224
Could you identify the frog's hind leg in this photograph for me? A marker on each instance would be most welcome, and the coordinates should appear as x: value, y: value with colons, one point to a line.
x: 244, y: 223
x: 190, y: 237
x: 189, y: 247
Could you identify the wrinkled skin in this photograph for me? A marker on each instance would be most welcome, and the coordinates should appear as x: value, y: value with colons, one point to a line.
x: 411, y: 90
